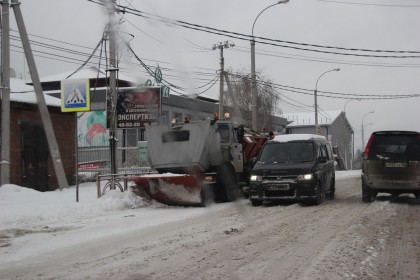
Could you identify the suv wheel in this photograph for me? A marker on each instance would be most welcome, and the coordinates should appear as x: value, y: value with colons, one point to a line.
x: 366, y: 193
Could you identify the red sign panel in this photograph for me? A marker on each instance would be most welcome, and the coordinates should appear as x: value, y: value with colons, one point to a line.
x: 138, y: 107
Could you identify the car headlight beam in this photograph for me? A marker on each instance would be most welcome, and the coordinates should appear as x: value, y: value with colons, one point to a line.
x: 255, y: 178
x: 305, y: 177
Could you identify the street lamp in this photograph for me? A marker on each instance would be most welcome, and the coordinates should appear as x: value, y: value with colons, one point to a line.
x: 316, y: 100
x: 363, y: 129
x: 345, y: 104
x: 253, y: 74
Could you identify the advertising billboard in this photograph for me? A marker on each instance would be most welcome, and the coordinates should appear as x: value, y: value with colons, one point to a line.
x: 136, y: 107
x: 91, y: 129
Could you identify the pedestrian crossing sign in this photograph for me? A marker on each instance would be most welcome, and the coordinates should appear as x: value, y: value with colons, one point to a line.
x: 75, y: 95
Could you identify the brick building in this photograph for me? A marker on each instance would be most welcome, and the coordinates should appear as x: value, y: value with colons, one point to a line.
x: 30, y: 160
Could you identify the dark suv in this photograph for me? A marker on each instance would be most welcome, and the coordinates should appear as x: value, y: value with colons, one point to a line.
x: 294, y: 166
x: 391, y: 164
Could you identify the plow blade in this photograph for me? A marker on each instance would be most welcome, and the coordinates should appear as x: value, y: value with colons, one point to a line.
x: 183, y: 190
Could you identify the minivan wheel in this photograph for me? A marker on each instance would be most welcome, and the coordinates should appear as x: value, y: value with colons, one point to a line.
x: 318, y: 198
x: 366, y: 193
x: 331, y: 194
x: 256, y: 202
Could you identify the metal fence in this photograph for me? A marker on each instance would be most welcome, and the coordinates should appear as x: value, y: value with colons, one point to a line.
x: 94, y: 158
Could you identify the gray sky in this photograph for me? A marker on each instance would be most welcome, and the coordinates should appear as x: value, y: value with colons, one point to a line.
x: 191, y: 63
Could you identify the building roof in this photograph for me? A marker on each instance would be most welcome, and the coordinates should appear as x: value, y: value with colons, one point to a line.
x: 89, y: 73
x: 22, y: 93
x: 308, y: 118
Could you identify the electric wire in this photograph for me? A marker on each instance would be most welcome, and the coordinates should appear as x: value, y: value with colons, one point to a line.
x: 370, y: 4
x: 274, y: 42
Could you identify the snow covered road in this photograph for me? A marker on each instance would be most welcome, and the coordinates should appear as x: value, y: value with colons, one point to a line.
x: 124, y: 237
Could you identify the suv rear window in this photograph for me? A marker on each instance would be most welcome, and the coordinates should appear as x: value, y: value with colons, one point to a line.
x: 395, y: 146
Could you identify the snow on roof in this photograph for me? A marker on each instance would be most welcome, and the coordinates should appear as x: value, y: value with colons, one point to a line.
x: 23, y: 93
x: 283, y: 138
x: 308, y: 118
x: 90, y: 73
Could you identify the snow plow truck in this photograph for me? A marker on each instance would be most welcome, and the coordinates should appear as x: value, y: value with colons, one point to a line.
x: 198, y: 162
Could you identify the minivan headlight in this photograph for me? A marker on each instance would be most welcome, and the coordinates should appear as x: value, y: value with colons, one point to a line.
x: 305, y: 177
x: 256, y: 178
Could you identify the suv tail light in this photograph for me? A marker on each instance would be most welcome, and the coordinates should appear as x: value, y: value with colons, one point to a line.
x: 367, y: 149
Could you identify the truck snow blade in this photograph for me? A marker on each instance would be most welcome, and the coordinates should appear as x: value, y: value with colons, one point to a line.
x: 170, y: 189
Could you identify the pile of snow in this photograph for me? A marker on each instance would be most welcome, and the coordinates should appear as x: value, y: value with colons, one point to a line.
x: 23, y: 206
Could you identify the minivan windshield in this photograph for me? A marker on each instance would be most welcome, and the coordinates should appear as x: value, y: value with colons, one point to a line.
x: 290, y: 152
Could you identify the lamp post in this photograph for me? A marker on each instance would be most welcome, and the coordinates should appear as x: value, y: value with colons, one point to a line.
x: 345, y: 104
x: 363, y: 128
x: 316, y: 99
x: 253, y: 74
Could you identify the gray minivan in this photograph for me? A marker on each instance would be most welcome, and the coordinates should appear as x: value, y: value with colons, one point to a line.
x: 293, y: 166
x: 391, y: 164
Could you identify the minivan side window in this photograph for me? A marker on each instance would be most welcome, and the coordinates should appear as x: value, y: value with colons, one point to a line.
x: 329, y: 151
x: 323, y: 151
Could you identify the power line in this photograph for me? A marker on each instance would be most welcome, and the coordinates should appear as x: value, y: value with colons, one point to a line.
x: 371, y: 4
x: 326, y: 60
x: 269, y: 41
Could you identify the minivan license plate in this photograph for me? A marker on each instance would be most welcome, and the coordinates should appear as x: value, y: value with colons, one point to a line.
x: 396, y: 164
x: 278, y: 187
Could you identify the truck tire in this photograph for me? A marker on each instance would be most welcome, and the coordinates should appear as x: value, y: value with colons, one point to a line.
x: 227, y: 188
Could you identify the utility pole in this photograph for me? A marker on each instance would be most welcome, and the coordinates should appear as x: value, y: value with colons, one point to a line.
x: 45, y: 116
x: 235, y: 101
x: 112, y: 88
x: 5, y: 94
x: 221, y: 46
x: 253, y: 86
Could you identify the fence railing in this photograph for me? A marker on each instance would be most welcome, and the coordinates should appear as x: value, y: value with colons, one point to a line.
x: 96, y: 160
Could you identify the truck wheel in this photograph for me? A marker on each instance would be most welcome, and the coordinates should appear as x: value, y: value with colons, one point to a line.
x: 256, y: 202
x: 366, y: 193
x: 227, y: 184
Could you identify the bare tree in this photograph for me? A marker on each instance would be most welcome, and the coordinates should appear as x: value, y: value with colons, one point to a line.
x: 267, y: 97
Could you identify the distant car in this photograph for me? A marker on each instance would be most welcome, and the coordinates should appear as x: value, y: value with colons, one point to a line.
x: 293, y: 166
x: 391, y: 164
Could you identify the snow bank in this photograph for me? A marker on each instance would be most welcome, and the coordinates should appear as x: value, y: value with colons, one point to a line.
x: 24, y: 206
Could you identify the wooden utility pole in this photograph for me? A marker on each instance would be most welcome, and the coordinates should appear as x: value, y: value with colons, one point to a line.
x: 45, y: 116
x: 5, y: 94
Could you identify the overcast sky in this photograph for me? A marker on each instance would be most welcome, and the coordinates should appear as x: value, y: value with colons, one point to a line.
x: 187, y: 58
